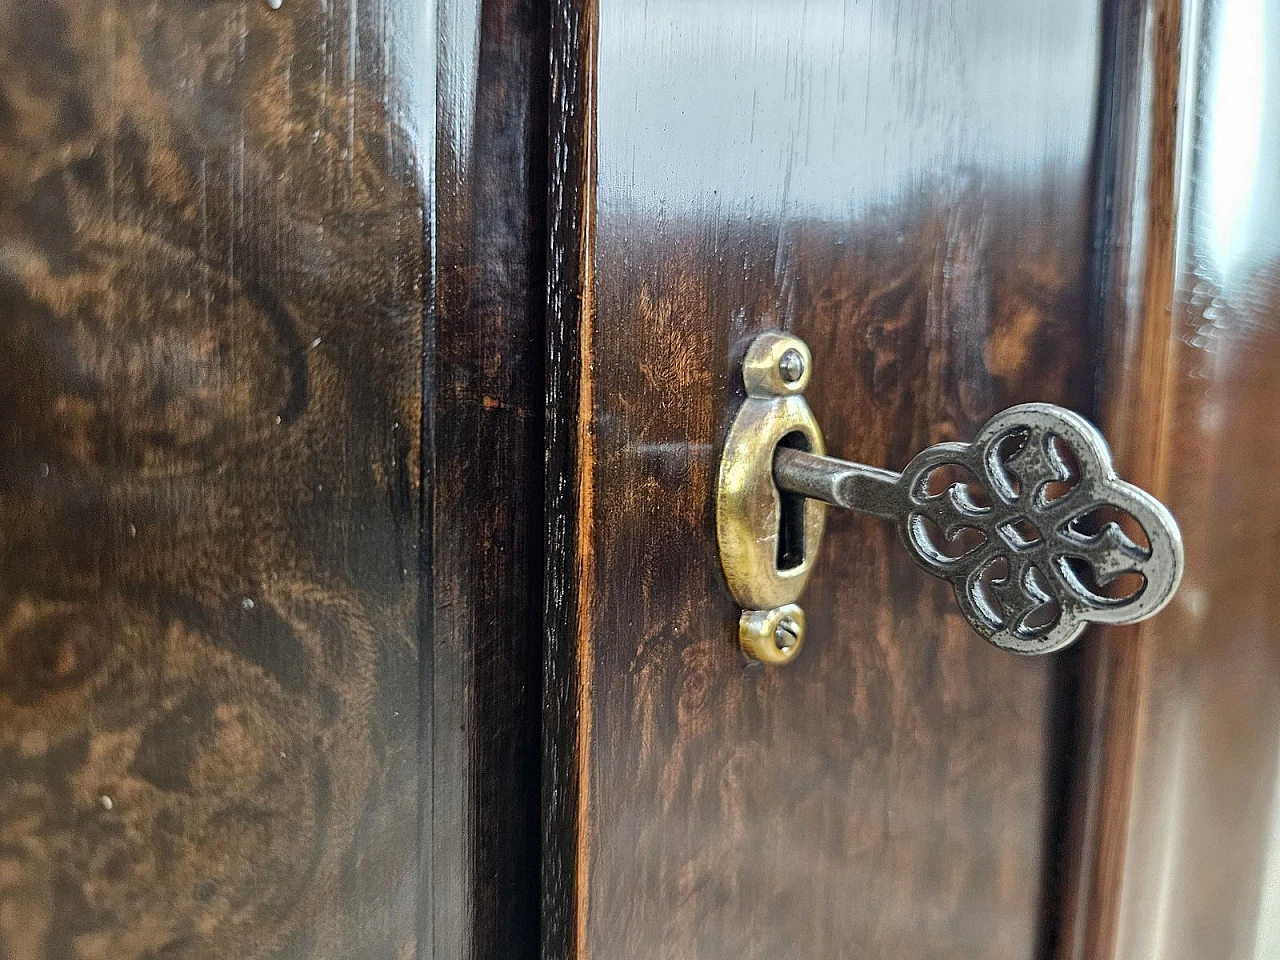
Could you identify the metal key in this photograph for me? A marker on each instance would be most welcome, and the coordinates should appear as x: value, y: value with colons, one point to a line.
x: 1019, y: 532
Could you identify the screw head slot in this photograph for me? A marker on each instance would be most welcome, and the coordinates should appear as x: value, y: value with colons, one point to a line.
x: 788, y: 633
x: 772, y: 636
x: 791, y: 366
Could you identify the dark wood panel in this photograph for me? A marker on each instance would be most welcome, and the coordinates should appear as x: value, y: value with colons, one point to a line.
x: 570, y: 219
x: 1137, y: 229
x: 211, y: 283
x: 863, y: 177
x: 1180, y: 858
x: 490, y: 301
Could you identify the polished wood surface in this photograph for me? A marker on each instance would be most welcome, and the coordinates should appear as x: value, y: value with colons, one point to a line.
x: 212, y: 272
x: 1137, y: 216
x: 567, y: 532
x: 1185, y: 861
x: 364, y: 368
x: 868, y: 178
x: 487, y: 469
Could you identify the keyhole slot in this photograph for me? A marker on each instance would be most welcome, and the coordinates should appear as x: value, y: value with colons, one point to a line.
x: 791, y: 516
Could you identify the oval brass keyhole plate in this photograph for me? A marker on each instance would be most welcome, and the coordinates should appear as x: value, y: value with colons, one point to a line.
x: 768, y: 540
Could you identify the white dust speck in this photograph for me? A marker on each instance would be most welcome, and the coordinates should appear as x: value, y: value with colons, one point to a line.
x: 247, y: 603
x: 274, y: 4
x: 107, y: 802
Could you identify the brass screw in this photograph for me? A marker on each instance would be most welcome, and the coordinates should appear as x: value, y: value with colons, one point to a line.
x: 791, y: 366
x: 788, y: 633
x: 772, y: 636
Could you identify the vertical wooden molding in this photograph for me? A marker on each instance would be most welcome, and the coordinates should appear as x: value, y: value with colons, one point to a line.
x: 566, y: 666
x: 490, y: 183
x: 1137, y: 227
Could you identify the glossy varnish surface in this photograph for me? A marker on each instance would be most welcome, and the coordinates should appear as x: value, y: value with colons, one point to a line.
x: 487, y: 455
x: 1192, y: 802
x: 568, y: 480
x: 1141, y: 138
x: 912, y: 195
x: 211, y: 282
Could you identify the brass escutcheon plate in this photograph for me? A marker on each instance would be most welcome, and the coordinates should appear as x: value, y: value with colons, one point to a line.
x: 749, y: 506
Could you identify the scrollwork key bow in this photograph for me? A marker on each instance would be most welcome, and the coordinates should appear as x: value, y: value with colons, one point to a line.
x: 1028, y: 522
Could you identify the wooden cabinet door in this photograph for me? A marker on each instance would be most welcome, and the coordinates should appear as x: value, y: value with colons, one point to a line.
x: 365, y: 367
x: 911, y: 189
x: 270, y: 478
x: 211, y: 351
x: 958, y: 207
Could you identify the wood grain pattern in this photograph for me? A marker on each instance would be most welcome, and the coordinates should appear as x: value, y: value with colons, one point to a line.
x: 891, y: 793
x: 567, y: 478
x: 487, y: 452
x: 1180, y: 855
x: 211, y: 281
x: 1138, y: 232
